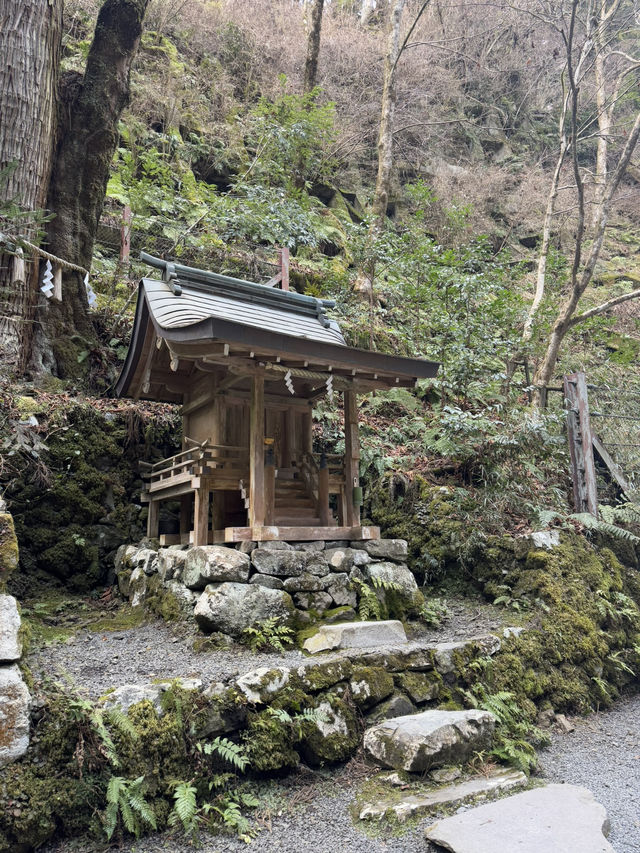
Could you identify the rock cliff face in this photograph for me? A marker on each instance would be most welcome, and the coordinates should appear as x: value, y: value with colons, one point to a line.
x: 14, y: 695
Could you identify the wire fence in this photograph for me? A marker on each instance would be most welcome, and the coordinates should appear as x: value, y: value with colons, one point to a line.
x: 615, y: 421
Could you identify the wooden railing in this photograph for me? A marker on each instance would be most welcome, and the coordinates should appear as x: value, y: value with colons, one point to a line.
x: 218, y: 461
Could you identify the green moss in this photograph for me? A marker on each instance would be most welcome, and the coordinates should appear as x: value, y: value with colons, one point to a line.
x: 269, y: 743
x: 370, y: 685
x: 159, y: 752
x: 8, y: 548
x: 122, y: 619
x: 337, y: 737
x: 585, y: 616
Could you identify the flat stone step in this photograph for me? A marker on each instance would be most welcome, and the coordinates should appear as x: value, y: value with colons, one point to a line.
x: 554, y: 819
x: 419, y: 742
x: 356, y: 635
x: 415, y: 804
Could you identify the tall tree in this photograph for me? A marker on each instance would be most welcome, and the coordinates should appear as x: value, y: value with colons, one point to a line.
x: 313, y: 47
x: 91, y: 106
x: 30, y: 37
x: 63, y: 138
x: 587, y: 242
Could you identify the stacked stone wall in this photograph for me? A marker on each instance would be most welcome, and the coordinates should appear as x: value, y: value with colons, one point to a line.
x: 14, y: 695
x: 228, y: 589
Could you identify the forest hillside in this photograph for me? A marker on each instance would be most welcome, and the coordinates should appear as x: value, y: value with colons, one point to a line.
x: 461, y: 183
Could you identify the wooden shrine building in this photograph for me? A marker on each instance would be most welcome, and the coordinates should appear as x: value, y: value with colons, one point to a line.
x: 247, y: 361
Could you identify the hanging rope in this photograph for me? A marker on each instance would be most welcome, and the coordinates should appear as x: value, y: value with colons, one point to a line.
x: 53, y: 258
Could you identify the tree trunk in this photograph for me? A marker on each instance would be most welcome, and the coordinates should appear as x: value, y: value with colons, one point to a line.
x: 87, y: 139
x: 313, y: 47
x: 387, y: 115
x: 30, y: 33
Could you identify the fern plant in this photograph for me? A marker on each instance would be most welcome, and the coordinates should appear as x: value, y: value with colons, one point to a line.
x: 231, y: 752
x: 94, y: 720
x: 514, y: 732
x: 185, y: 809
x: 371, y: 604
x: 126, y: 804
x: 272, y: 634
x: 610, y: 517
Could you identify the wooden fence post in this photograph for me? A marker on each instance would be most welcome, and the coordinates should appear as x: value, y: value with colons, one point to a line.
x: 583, y: 469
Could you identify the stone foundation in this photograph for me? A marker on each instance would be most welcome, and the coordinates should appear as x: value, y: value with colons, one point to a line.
x: 227, y: 589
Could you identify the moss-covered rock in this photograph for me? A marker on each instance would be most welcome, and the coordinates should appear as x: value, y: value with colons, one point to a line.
x: 269, y: 743
x: 370, y: 685
x: 576, y: 653
x: 8, y: 549
x: 72, y: 526
x: 336, y: 736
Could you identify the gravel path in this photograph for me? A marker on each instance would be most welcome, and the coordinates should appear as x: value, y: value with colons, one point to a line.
x: 309, y: 811
x: 603, y: 754
x: 98, y: 661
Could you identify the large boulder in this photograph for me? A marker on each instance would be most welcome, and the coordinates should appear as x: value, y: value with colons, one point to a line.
x: 334, y: 736
x: 387, y: 549
x: 284, y: 564
x: 341, y: 591
x: 171, y: 563
x: 232, y: 607
x: 396, y: 574
x: 418, y: 742
x: 14, y: 715
x: 261, y: 685
x: 214, y: 564
x: 10, y: 645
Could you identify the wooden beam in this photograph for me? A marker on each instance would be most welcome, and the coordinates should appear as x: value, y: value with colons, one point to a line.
x: 269, y: 493
x: 351, y: 456
x: 208, y: 396
x: 256, y: 454
x: 323, y: 495
x: 296, y: 534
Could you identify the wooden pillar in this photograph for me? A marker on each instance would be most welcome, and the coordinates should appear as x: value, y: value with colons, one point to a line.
x: 201, y: 516
x: 185, y: 515
x: 153, y: 519
x: 583, y: 469
x: 256, y: 453
x: 270, y: 486
x: 351, y: 456
x: 307, y: 431
x: 323, y: 492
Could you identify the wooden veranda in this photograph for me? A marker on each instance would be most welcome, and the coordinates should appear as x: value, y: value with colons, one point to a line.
x: 247, y: 362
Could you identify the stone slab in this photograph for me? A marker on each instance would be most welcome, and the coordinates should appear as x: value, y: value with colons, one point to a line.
x: 356, y: 635
x: 554, y: 819
x: 450, y: 795
x: 418, y: 742
x: 10, y: 645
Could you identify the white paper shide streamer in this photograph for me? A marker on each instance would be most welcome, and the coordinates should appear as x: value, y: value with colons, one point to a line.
x: 47, y: 280
x: 91, y: 297
x: 329, y: 385
x: 289, y: 382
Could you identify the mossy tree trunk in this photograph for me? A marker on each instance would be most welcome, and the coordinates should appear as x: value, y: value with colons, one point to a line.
x: 313, y: 47
x: 91, y: 106
x: 30, y: 32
